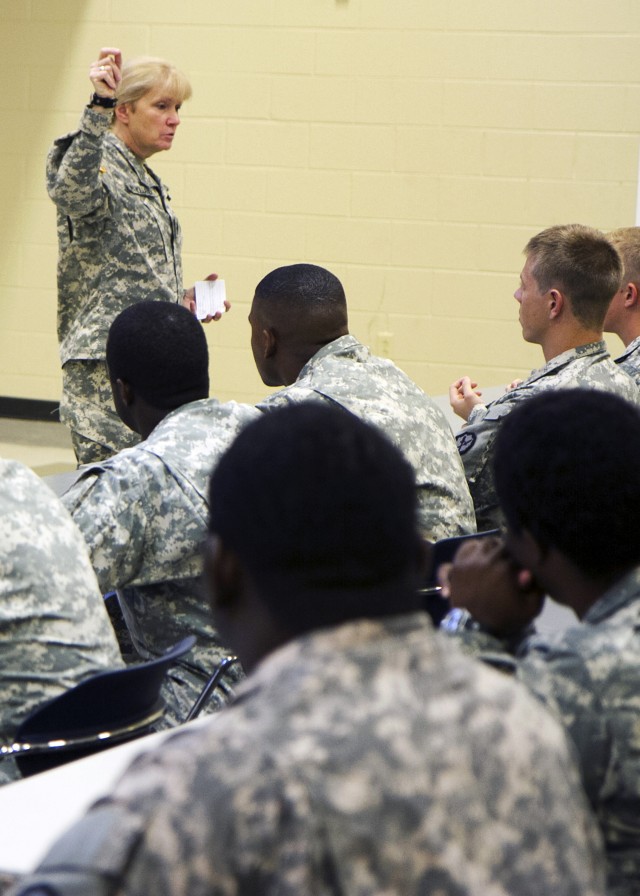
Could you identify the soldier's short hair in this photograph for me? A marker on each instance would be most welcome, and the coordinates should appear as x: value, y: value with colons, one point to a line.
x: 160, y: 349
x: 581, y: 263
x: 321, y: 509
x: 145, y: 73
x: 561, y: 474
x: 302, y: 288
x: 627, y: 242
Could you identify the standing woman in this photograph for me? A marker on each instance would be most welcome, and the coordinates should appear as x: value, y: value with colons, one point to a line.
x: 119, y: 240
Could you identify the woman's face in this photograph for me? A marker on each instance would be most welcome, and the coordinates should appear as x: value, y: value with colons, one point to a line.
x: 149, y: 125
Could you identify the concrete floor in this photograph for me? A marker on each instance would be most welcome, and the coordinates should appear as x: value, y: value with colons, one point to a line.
x: 43, y: 446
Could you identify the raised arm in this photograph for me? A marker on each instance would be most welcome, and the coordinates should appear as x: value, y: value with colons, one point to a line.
x: 74, y: 164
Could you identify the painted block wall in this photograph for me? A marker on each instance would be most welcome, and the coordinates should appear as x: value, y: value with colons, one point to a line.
x: 412, y: 148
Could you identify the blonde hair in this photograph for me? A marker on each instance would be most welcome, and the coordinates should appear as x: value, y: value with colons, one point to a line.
x: 627, y: 242
x: 581, y: 262
x: 144, y: 73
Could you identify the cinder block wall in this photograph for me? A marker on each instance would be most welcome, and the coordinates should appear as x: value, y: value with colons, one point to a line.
x: 411, y: 147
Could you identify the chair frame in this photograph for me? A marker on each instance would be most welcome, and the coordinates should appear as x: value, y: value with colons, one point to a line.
x: 57, y: 727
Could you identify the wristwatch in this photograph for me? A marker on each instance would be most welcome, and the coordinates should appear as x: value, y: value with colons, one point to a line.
x: 107, y: 102
x: 460, y: 620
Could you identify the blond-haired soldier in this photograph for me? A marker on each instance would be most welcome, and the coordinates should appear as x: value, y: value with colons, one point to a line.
x: 119, y: 240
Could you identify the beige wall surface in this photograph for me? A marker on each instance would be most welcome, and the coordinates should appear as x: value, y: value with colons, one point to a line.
x: 411, y: 147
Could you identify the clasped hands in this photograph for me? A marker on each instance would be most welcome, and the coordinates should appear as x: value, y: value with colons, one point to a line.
x: 464, y: 395
x: 485, y: 580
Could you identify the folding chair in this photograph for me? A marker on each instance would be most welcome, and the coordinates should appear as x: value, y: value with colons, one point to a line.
x: 100, y: 711
x: 444, y: 551
x: 210, y: 687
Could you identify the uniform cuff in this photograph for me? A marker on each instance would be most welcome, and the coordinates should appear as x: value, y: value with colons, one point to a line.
x: 94, y: 123
x: 477, y: 413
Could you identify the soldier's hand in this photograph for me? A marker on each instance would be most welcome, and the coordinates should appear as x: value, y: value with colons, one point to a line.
x: 104, y: 73
x: 483, y: 579
x: 189, y: 302
x: 464, y: 395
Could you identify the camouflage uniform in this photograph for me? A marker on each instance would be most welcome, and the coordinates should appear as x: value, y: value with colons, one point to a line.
x: 590, y: 675
x: 629, y: 360
x: 345, y: 373
x: 97, y: 432
x: 143, y: 514
x: 367, y: 758
x: 55, y: 630
x: 119, y: 243
x: 589, y: 366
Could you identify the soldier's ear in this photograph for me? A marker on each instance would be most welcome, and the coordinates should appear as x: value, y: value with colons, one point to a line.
x: 121, y: 113
x: 556, y: 302
x: 224, y: 573
x: 269, y: 342
x: 630, y: 294
x: 125, y: 392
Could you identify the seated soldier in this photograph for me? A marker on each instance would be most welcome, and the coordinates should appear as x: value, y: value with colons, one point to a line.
x: 143, y: 511
x: 623, y: 316
x: 300, y: 340
x: 54, y: 628
x: 572, y: 506
x: 364, y: 753
x: 570, y: 276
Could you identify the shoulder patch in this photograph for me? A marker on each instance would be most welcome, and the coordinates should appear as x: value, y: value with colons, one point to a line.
x: 465, y: 441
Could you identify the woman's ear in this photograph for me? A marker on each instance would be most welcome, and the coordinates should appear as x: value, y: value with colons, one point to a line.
x: 121, y: 113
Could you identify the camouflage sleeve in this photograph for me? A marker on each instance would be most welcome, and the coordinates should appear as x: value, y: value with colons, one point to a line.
x: 288, y: 396
x: 561, y: 679
x: 109, y: 510
x: 632, y: 367
x: 481, y: 645
x: 263, y: 838
x: 475, y: 442
x: 156, y: 833
x: 74, y: 177
x: 504, y: 654
x: 477, y: 413
x: 569, y: 685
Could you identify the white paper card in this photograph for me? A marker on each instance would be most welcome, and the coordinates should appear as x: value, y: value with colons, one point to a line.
x: 210, y: 296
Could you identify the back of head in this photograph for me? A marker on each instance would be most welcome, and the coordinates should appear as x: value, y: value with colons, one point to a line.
x: 159, y: 348
x: 565, y: 470
x: 581, y: 263
x: 145, y: 73
x: 321, y: 509
x: 627, y: 242
x: 304, y: 302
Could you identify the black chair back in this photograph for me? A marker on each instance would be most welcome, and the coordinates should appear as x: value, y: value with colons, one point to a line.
x: 105, y: 709
x: 444, y: 551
